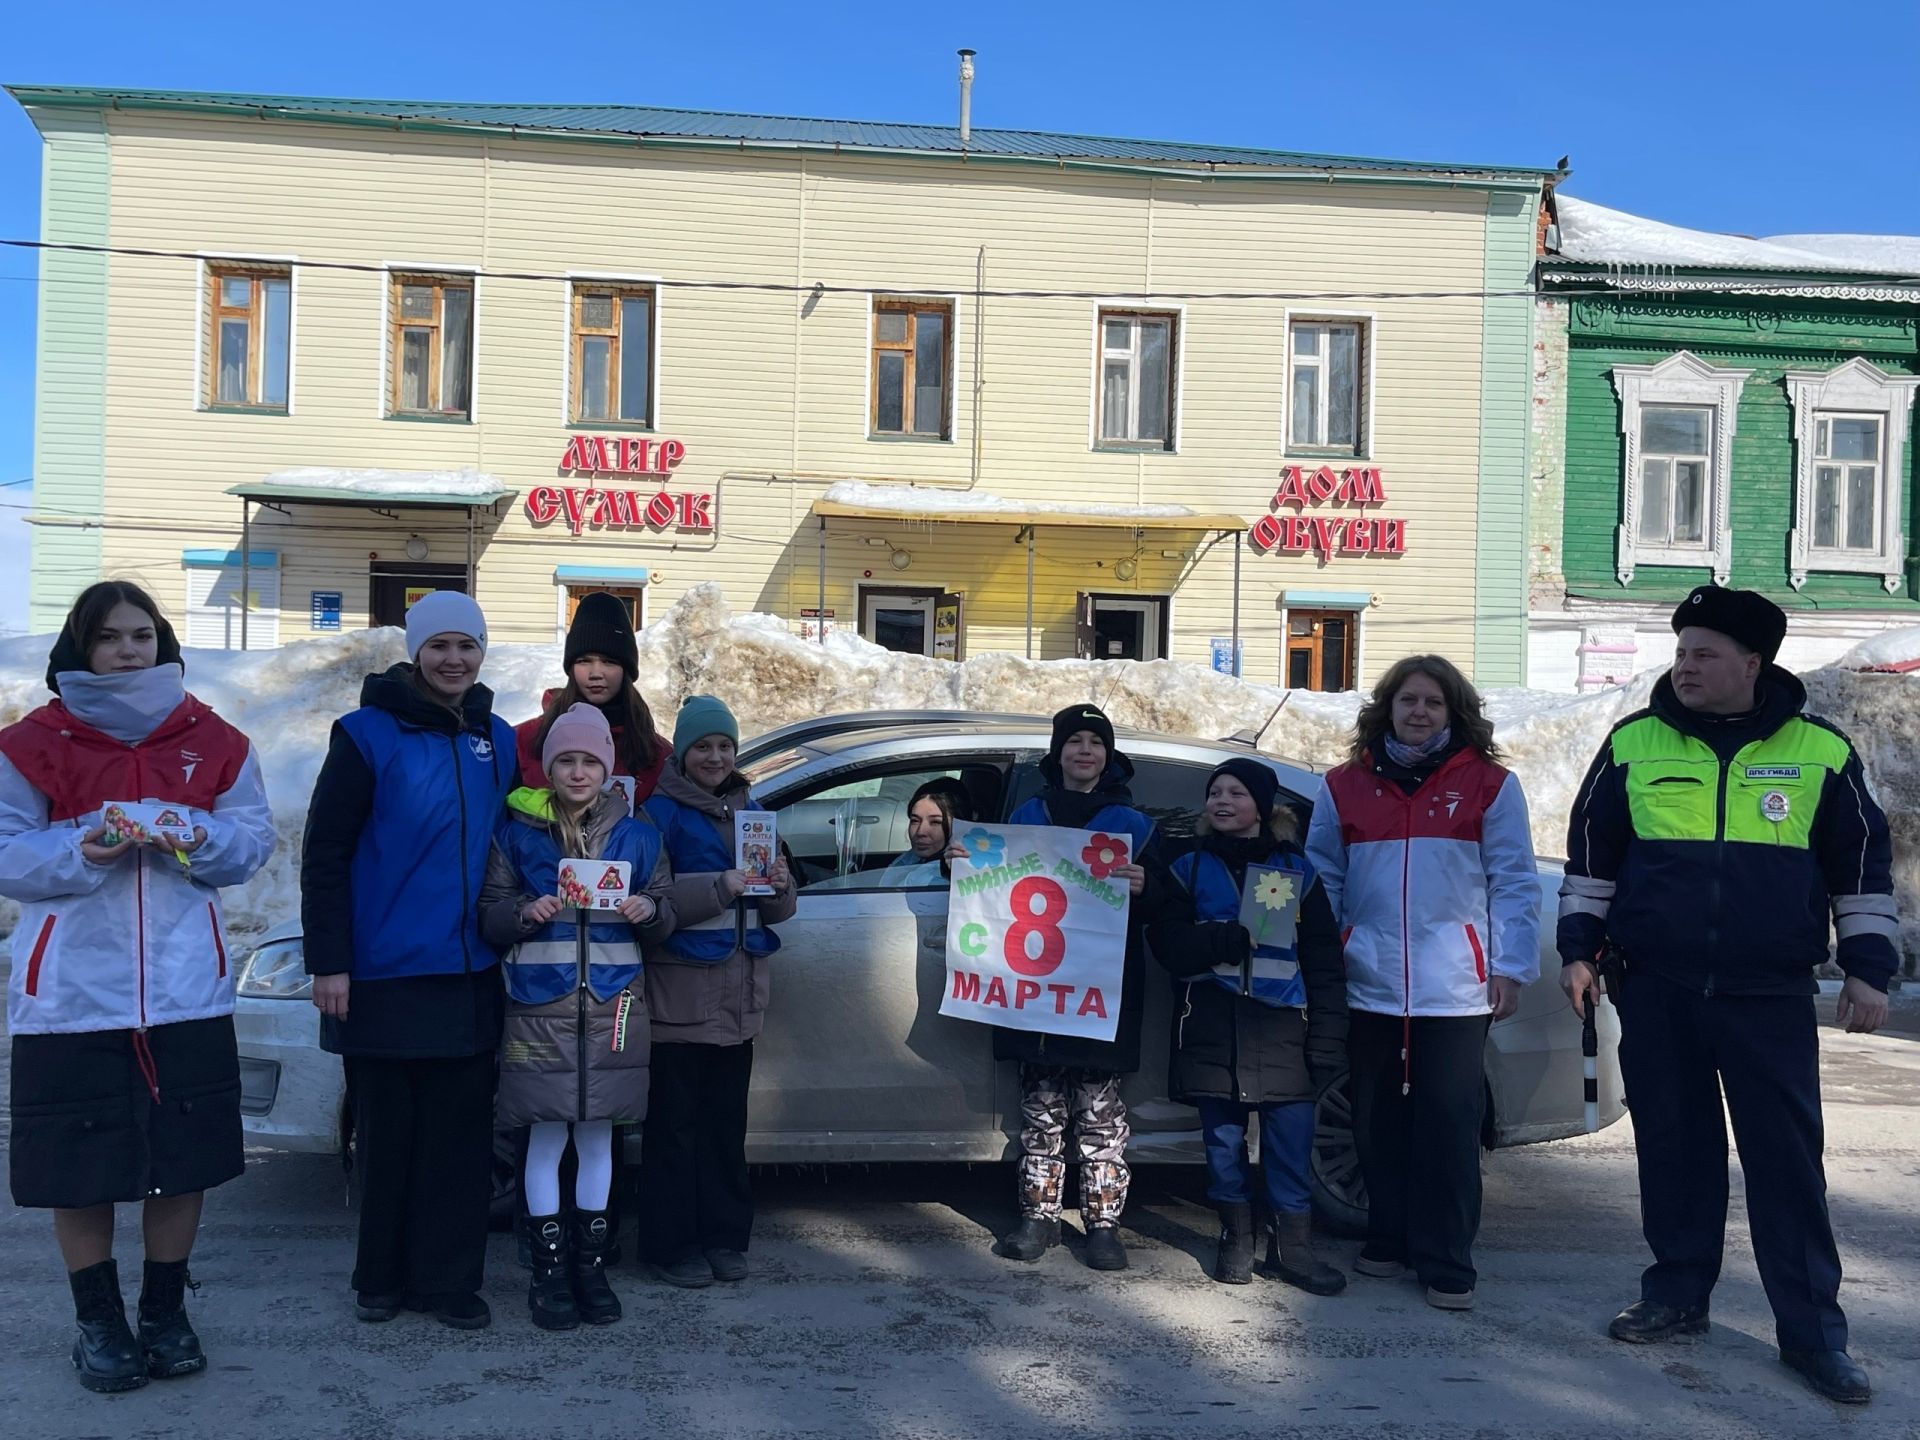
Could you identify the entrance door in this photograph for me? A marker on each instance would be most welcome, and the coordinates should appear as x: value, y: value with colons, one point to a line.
x: 631, y: 596
x: 1123, y: 627
x: 396, y: 584
x: 1320, y: 649
x: 900, y: 620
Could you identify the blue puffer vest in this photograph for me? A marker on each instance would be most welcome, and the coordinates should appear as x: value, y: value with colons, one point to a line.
x: 437, y: 793
x: 544, y: 966
x: 694, y: 847
x: 1275, y: 971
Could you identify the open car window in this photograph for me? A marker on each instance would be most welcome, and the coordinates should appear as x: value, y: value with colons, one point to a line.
x: 850, y: 832
x: 1169, y: 792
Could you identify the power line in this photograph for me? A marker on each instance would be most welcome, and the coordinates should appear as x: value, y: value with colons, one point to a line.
x: 791, y: 287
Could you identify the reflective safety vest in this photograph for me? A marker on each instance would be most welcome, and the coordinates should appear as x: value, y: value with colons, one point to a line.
x: 1767, y: 794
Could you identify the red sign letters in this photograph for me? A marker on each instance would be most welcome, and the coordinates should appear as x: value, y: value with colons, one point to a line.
x: 602, y: 506
x: 1329, y: 535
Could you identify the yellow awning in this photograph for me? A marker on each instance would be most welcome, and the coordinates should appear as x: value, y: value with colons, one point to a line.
x: 1109, y: 517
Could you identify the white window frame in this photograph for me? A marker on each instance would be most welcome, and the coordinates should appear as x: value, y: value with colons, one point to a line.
x: 1675, y: 459
x: 206, y: 262
x: 1362, y: 327
x: 589, y: 279
x: 438, y: 269
x: 1176, y: 317
x: 1855, y: 388
x: 1681, y: 379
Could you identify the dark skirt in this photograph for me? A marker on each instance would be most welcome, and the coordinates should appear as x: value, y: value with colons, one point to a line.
x: 87, y: 1130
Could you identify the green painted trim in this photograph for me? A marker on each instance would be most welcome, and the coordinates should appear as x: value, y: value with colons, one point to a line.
x: 1524, y: 181
x: 267, y: 492
x: 1506, y: 352
x: 70, y: 371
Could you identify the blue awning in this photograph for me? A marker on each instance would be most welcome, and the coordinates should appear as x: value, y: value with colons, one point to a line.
x: 605, y: 574
x: 221, y: 559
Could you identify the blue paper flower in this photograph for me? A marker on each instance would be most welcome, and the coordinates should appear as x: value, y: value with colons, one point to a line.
x: 984, y: 849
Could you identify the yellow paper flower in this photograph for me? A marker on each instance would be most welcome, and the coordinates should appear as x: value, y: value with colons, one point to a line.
x: 1274, y: 891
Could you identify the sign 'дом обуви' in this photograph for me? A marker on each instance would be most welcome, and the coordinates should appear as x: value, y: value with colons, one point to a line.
x: 1329, y: 535
x: 606, y: 506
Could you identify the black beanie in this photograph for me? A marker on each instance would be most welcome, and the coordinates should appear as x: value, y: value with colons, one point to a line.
x: 68, y: 654
x: 1745, y: 615
x: 1075, y: 718
x: 602, y: 625
x: 1262, y: 784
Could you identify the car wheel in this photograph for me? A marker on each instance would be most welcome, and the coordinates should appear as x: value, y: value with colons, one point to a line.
x: 1339, y: 1189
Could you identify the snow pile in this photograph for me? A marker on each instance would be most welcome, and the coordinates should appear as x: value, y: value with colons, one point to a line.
x: 287, y: 699
x: 1895, y: 651
x: 463, y: 484
x: 1599, y: 235
x: 909, y: 500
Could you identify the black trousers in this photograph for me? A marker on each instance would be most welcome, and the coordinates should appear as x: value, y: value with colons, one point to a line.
x: 694, y: 1190
x: 423, y: 1131
x: 1420, y: 1152
x: 1678, y: 1051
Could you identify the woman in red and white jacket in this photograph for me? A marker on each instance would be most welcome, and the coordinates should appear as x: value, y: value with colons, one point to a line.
x: 1422, y: 842
x: 126, y: 1082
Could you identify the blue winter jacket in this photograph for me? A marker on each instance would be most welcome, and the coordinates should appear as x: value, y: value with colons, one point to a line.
x: 694, y: 847
x: 1273, y: 975
x: 544, y: 964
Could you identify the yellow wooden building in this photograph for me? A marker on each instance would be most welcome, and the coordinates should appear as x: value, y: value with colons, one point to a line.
x: 962, y: 390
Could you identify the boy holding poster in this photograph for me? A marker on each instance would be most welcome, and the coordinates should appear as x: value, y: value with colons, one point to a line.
x: 1071, y: 1079
x: 1260, y: 1010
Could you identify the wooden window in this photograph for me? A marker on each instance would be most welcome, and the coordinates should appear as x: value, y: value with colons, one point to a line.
x: 431, y: 359
x: 250, y: 337
x: 1846, y: 482
x: 912, y: 368
x: 1326, y: 387
x: 1136, y: 380
x: 1676, y: 457
x: 631, y: 597
x: 613, y: 353
x: 1320, y: 649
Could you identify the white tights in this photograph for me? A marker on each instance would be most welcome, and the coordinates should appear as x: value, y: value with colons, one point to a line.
x: 593, y: 1152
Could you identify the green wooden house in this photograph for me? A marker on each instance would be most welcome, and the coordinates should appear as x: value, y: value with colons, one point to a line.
x: 1709, y: 407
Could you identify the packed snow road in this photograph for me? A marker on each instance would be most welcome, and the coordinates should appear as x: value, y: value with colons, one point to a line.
x: 876, y: 1310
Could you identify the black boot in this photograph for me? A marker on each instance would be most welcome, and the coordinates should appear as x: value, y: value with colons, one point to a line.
x: 1105, y: 1250
x: 550, y: 1291
x: 1233, y: 1261
x: 1031, y: 1238
x: 592, y: 1238
x: 1290, y: 1256
x: 106, y: 1354
x: 172, y: 1348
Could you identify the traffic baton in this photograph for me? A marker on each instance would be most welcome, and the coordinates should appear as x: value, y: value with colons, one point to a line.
x: 1590, y: 1066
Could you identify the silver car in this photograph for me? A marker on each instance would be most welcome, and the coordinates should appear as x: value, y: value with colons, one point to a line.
x: 856, y: 1063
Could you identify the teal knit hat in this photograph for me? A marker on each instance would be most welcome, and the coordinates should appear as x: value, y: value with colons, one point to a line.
x: 701, y: 716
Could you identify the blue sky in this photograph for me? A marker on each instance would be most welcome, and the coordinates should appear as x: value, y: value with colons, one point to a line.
x: 1757, y: 117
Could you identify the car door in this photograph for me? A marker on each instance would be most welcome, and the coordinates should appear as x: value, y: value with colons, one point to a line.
x: 856, y: 1061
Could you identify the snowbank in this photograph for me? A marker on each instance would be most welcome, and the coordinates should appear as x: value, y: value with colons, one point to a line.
x: 910, y: 500
x: 458, y: 484
x: 286, y: 700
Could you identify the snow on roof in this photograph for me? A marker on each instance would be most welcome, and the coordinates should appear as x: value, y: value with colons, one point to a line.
x: 1599, y: 235
x: 923, y: 499
x: 464, y: 483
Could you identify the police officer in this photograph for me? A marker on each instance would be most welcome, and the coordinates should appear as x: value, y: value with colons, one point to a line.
x: 1710, y: 836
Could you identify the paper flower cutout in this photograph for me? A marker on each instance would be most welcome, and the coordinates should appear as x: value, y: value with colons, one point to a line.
x: 1104, y: 854
x: 984, y: 849
x: 1274, y: 891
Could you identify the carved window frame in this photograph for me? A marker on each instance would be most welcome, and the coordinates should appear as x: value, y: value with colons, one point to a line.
x: 1860, y: 388
x: 1683, y: 378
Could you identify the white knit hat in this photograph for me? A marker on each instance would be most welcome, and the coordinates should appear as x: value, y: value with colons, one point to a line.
x: 444, y: 612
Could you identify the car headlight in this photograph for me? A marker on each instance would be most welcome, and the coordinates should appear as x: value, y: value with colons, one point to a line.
x: 276, y: 971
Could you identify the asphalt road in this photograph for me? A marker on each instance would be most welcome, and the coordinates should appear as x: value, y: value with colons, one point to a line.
x: 876, y: 1310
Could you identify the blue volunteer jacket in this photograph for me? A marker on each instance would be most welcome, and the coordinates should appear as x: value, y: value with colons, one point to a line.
x: 544, y: 965
x: 1275, y: 975
x: 694, y: 847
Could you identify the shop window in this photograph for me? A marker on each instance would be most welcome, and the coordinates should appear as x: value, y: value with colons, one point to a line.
x: 613, y: 354
x: 430, y: 360
x: 1320, y: 649
x: 912, y: 369
x: 1677, y: 419
x: 250, y: 337
x: 1121, y: 627
x: 215, y: 599
x: 1848, y: 426
x: 1326, y: 385
x: 1136, y: 392
x: 901, y: 620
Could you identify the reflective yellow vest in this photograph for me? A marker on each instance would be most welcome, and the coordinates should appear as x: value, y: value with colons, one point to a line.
x: 1767, y: 794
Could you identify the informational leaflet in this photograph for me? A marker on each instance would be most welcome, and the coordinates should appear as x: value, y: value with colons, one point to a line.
x: 755, y: 847
x: 595, y: 884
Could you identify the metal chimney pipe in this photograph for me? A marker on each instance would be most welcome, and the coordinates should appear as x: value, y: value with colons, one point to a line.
x: 966, y: 96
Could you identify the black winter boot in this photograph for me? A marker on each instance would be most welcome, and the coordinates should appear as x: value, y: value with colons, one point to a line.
x: 1031, y: 1238
x: 592, y: 1238
x: 1105, y: 1250
x: 105, y: 1353
x: 550, y: 1291
x: 1290, y: 1256
x: 1233, y: 1261
x: 172, y: 1348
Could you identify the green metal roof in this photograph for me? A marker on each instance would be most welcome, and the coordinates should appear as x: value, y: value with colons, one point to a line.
x: 647, y: 122
x: 269, y: 490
